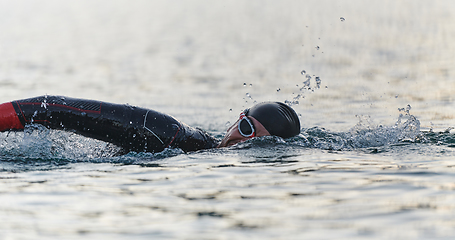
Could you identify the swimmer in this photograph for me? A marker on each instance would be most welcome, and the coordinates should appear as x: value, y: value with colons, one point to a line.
x: 263, y: 119
x: 143, y: 130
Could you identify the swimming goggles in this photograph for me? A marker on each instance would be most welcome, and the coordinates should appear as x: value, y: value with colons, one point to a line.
x: 246, y: 127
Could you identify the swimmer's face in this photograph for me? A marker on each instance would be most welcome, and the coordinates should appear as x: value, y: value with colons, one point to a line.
x: 233, y: 135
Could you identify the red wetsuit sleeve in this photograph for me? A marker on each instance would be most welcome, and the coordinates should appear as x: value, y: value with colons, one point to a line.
x: 8, y: 118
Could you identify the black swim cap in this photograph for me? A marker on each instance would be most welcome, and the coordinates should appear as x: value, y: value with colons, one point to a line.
x: 278, y: 118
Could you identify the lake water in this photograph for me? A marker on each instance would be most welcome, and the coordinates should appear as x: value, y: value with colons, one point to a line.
x: 372, y: 81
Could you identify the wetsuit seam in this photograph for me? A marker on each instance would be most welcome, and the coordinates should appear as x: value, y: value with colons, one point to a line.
x: 174, y: 137
x: 154, y: 134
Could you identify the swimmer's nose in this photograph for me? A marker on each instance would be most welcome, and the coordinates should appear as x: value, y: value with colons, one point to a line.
x: 232, y: 137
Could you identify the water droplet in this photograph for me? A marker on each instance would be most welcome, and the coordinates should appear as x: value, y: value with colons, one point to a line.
x: 63, y: 100
x: 290, y: 103
x: 230, y: 110
x: 251, y: 85
x: 317, y: 47
x: 342, y: 19
x: 244, y: 84
x: 318, y: 82
x: 303, y: 72
x: 228, y: 124
x: 396, y: 96
x: 134, y: 135
x: 131, y: 122
x: 44, y: 104
x: 278, y: 89
x: 248, y: 95
x: 83, y: 113
x: 306, y: 83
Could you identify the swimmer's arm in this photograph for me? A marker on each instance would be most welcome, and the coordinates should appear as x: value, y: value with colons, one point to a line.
x: 132, y: 128
x: 81, y: 116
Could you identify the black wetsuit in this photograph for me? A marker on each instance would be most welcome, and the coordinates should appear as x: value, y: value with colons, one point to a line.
x: 131, y: 128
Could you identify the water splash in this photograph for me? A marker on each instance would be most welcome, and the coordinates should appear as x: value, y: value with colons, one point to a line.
x: 54, y: 147
x: 39, y: 148
x: 311, y: 83
x: 39, y: 142
x: 365, y: 134
x: 306, y: 84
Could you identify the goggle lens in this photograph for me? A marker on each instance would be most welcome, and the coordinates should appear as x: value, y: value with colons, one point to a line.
x: 246, y: 127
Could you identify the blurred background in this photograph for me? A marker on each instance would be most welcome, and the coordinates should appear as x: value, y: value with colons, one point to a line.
x: 205, y: 61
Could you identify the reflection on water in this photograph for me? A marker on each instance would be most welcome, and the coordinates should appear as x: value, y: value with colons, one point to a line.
x: 357, y: 170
